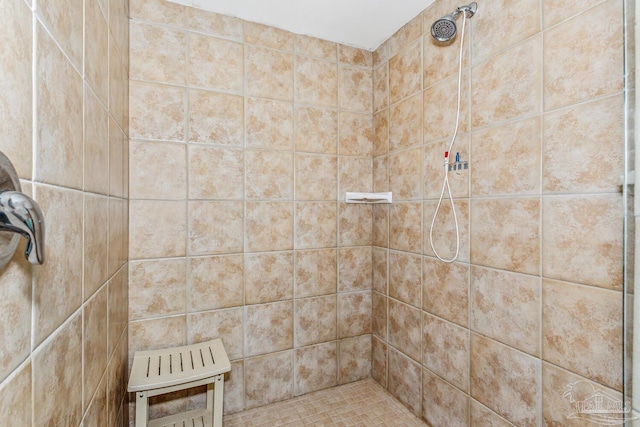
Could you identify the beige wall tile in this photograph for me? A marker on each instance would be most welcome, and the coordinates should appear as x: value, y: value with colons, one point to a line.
x: 356, y: 134
x: 381, y: 226
x: 318, y: 48
x: 269, y: 124
x: 96, y: 145
x: 269, y: 328
x: 58, y: 114
x: 405, y: 277
x: 215, y: 282
x: 215, y: 24
x: 563, y: 390
x: 582, y: 330
x: 355, y: 224
x: 96, y: 65
x: 118, y: 310
x: 316, y: 130
x: 354, y: 56
x: 234, y: 388
x: 445, y: 290
x: 508, y: 85
x: 356, y: 174
x: 118, y: 237
x: 405, y: 123
x: 354, y: 270
x: 269, y: 226
x: 316, y: 82
x: 94, y: 343
x: 96, y: 240
x: 405, y: 381
x: 354, y: 314
x: 215, y: 63
x: 506, y: 380
x: 316, y: 368
x: 506, y: 159
x: 379, y: 361
x: 405, y: 330
x: 506, y: 307
x: 381, y: 54
x: 405, y: 73
x: 381, y: 133
x: 157, y: 111
x: 505, y: 233
x: 405, y: 35
x: 582, y: 57
x: 405, y: 227
x: 15, y: 323
x: 119, y: 85
x: 16, y: 36
x: 355, y: 359
x: 118, y: 160
x: 216, y: 118
x: 224, y: 324
x: 268, y: 277
x: 483, y: 416
x: 597, y: 129
x: 380, y: 270
x: 441, y: 109
x: 269, y: 73
x: 433, y: 158
x: 154, y: 334
x: 405, y: 170
x: 442, y: 404
x: 316, y: 272
x: 158, y: 170
x: 216, y: 173
x: 555, y: 11
x: 379, y: 315
x: 381, y: 87
x: 269, y: 174
x: 158, y: 53
x: 264, y: 35
x: 159, y: 11
x: 315, y: 320
x: 157, y: 288
x: 147, y: 216
x: 504, y: 25
x: 96, y: 413
x: 583, y: 239
x: 215, y: 227
x: 315, y: 225
x: 444, y: 230
x: 57, y: 366
x: 58, y: 283
x: 64, y: 19
x: 264, y: 389
x: 355, y: 89
x: 316, y: 177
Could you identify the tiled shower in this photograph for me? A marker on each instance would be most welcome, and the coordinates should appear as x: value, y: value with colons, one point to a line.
x: 244, y: 139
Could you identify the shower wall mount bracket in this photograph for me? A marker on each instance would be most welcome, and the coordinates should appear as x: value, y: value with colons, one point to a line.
x: 20, y: 215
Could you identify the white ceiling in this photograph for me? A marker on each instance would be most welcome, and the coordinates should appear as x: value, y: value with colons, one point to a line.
x: 360, y: 23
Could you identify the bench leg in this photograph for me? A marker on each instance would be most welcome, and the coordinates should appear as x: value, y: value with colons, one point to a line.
x: 215, y: 396
x: 142, y: 409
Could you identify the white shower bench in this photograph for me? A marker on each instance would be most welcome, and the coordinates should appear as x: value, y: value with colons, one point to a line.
x: 163, y: 371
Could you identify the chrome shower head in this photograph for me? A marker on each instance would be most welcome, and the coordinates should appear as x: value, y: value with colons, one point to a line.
x: 445, y: 29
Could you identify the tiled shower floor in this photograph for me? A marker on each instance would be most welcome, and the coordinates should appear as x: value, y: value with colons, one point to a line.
x: 362, y: 404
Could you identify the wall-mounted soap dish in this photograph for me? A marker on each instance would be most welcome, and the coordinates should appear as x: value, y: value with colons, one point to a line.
x: 353, y: 197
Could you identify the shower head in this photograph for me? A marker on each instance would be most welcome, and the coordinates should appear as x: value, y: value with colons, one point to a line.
x: 445, y: 29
